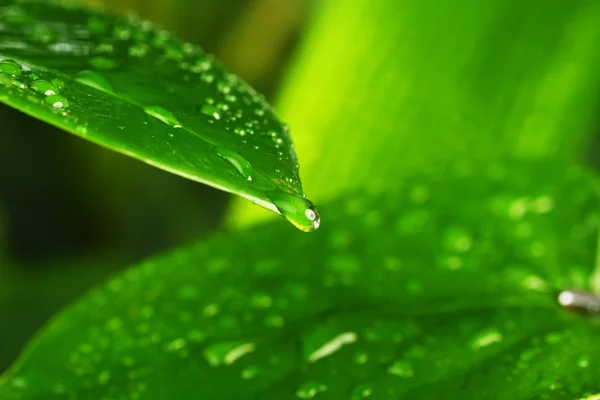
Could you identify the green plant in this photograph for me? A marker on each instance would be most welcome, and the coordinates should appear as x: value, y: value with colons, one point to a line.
x: 445, y: 153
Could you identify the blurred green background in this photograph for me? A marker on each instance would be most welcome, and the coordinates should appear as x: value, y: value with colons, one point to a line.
x: 73, y: 213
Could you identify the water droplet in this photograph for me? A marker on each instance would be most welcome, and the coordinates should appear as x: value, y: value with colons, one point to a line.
x: 211, y: 111
x: 10, y: 67
x: 362, y: 392
x: 579, y: 302
x: 310, y: 390
x: 401, y: 368
x: 56, y: 82
x: 332, y: 346
x: 211, y: 310
x: 250, y: 372
x: 486, y: 338
x: 176, y: 345
x: 240, y: 163
x: 227, y: 353
x: 298, y: 210
x: 102, y: 63
x: 165, y: 116
x: 95, y: 80
x: 57, y: 101
x: 360, y: 357
x: 44, y: 87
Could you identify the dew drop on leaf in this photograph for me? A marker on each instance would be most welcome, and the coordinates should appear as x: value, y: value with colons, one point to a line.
x: 95, y: 80
x: 9, y: 67
x: 362, y: 392
x: 242, y: 165
x: 226, y: 353
x: 162, y: 114
x: 332, y: 346
x: 44, y: 87
x: 298, y: 210
x: 401, y: 368
x: 310, y: 390
x: 57, y: 101
x: 211, y: 111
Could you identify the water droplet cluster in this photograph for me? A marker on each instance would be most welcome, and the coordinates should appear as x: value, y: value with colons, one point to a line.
x: 124, y: 59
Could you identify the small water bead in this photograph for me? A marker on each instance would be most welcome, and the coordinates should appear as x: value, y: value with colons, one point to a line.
x: 242, y: 165
x: 310, y: 390
x: 95, y: 80
x: 227, y: 353
x: 486, y: 338
x: 250, y: 372
x: 45, y: 87
x: 57, y: 101
x: 402, y: 368
x: 163, y: 115
x: 56, y: 82
x: 298, y: 210
x: 362, y: 392
x: 10, y: 67
x: 332, y: 346
x: 211, y: 111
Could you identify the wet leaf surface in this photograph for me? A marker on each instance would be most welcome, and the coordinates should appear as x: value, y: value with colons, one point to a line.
x: 447, y: 289
x: 132, y: 87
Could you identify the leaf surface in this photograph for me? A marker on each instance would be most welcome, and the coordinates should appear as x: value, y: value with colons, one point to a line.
x: 446, y: 289
x: 137, y: 89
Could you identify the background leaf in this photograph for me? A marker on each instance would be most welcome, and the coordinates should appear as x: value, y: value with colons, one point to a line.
x: 406, y: 295
x: 136, y: 89
x: 378, y: 91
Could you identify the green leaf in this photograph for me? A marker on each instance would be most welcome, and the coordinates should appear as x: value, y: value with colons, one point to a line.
x: 412, y: 84
x: 139, y: 90
x: 444, y: 290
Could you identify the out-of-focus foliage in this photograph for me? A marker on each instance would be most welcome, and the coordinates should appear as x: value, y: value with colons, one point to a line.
x: 380, y: 89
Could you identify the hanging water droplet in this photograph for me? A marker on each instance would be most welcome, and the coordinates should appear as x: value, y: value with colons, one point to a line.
x: 240, y: 163
x: 57, y: 101
x: 162, y: 114
x: 44, y: 87
x: 298, y: 210
x: 95, y: 80
x: 10, y: 67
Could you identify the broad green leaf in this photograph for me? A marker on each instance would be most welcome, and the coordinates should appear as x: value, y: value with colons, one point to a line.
x: 445, y: 290
x: 134, y: 88
x: 406, y: 85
